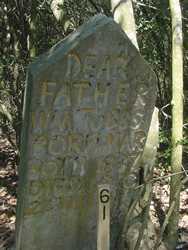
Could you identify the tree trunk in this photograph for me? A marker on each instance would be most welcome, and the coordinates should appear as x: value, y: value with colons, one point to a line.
x: 58, y: 11
x: 32, y: 38
x: 123, y: 14
x: 177, y: 119
x: 57, y: 7
x: 141, y: 233
x: 32, y: 47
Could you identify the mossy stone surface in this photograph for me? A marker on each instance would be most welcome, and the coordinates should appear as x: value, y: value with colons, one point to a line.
x: 88, y: 106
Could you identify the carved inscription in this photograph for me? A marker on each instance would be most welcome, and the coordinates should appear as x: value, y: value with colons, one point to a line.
x: 110, y: 67
x: 88, y: 104
x: 73, y: 123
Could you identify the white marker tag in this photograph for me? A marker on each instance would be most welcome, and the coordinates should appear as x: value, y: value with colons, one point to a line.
x: 103, y: 232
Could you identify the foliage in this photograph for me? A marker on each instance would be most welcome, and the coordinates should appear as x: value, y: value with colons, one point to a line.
x: 164, y: 151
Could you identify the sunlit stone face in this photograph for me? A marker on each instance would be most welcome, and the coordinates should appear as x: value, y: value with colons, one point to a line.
x: 88, y: 108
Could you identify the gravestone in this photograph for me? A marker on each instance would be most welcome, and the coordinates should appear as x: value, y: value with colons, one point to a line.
x: 88, y: 106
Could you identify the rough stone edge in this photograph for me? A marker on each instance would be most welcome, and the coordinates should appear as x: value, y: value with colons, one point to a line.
x: 60, y: 49
x: 40, y: 64
x: 22, y: 170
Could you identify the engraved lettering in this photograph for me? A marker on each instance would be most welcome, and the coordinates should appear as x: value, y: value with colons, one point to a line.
x: 104, y: 70
x: 38, y: 121
x: 120, y: 68
x: 101, y: 95
x: 75, y: 143
x: 63, y: 99
x: 49, y: 167
x: 47, y: 91
x: 82, y: 86
x: 39, y: 147
x: 57, y: 146
x: 89, y: 68
x: 73, y: 65
x: 137, y: 120
x: 122, y: 94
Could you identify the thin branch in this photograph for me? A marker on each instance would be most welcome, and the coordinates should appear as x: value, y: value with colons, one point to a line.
x: 165, y: 114
x: 169, y: 213
x: 185, y: 125
x: 145, y: 5
x: 163, y: 177
x: 185, y: 171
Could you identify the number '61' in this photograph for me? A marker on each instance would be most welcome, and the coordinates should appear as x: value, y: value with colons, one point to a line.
x: 104, y: 195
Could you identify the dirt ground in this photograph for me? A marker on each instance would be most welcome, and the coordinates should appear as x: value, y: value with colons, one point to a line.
x: 8, y: 190
x: 8, y: 198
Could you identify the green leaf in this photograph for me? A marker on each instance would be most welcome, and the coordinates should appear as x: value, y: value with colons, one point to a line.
x: 5, y: 113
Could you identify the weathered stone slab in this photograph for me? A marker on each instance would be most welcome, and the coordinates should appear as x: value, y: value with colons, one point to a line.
x: 88, y: 106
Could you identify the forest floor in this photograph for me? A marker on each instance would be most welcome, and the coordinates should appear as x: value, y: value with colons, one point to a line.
x: 8, y: 198
x: 8, y: 194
